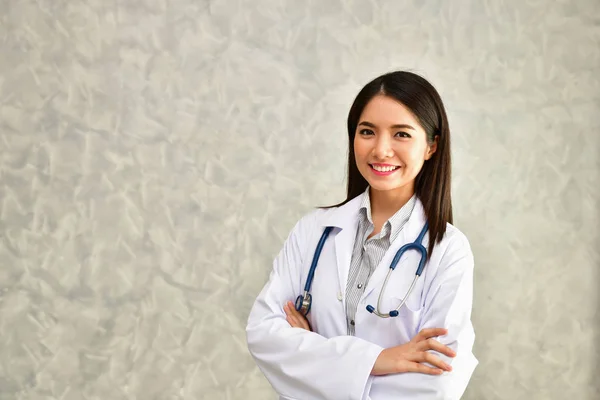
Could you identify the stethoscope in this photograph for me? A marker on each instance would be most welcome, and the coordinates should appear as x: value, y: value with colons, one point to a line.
x: 304, y: 302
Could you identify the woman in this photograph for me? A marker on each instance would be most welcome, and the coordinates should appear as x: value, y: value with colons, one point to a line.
x: 348, y: 346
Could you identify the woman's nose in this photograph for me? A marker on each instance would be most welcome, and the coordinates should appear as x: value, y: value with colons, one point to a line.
x: 383, y: 148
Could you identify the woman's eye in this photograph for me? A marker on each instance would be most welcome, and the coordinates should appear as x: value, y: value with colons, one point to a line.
x: 403, y: 135
x: 366, y: 132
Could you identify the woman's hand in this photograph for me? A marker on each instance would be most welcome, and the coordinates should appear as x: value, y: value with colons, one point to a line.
x: 294, y: 318
x: 410, y: 356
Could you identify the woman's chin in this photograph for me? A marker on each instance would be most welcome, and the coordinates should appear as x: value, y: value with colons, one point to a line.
x: 389, y: 186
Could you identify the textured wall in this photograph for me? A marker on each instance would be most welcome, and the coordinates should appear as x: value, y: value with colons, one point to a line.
x: 154, y: 155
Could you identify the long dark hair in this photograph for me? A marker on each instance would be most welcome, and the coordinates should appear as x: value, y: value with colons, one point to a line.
x: 432, y: 184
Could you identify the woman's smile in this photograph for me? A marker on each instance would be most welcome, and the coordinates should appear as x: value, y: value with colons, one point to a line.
x: 383, y: 169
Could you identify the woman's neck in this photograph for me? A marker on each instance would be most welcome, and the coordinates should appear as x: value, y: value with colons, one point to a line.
x: 385, y: 203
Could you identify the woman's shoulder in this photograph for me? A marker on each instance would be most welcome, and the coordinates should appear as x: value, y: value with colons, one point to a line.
x: 455, y: 244
x: 455, y: 235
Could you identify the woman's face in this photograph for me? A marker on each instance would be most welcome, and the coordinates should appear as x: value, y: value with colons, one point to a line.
x: 390, y: 145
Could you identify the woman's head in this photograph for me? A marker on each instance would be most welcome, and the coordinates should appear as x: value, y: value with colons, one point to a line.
x: 390, y: 146
x: 398, y: 121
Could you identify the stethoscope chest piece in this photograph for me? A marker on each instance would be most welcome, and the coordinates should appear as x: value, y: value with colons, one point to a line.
x: 303, y: 303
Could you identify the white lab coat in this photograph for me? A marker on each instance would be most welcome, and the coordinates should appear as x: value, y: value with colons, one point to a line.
x: 327, y: 364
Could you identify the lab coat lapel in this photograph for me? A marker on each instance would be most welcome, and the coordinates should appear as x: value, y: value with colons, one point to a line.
x: 344, y: 243
x: 346, y: 218
x: 408, y: 234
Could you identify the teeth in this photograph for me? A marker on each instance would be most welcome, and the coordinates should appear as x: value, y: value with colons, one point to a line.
x: 383, y: 169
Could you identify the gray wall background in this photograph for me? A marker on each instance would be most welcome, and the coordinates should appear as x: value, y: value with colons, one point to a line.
x: 155, y: 154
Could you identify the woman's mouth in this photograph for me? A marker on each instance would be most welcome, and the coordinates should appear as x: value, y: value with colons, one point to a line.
x: 383, y: 169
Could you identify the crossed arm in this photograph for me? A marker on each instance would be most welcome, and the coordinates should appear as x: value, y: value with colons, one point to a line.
x: 408, y: 357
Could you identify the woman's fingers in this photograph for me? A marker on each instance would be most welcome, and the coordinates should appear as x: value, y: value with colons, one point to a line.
x: 429, y: 333
x: 290, y: 315
x: 425, y: 341
x: 292, y: 310
x: 294, y: 318
x: 432, y: 344
x: 434, y: 360
x: 424, y: 369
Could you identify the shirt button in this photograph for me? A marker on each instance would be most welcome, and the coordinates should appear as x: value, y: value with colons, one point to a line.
x: 339, y: 296
x: 359, y: 286
x: 352, y: 322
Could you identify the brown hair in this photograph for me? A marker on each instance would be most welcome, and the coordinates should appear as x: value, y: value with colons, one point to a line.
x: 432, y: 184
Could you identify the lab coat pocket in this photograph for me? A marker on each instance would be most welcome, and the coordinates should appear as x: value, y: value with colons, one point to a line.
x: 409, y: 317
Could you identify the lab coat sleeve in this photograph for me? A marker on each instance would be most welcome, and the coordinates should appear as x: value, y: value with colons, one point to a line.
x: 300, y: 364
x: 447, y: 304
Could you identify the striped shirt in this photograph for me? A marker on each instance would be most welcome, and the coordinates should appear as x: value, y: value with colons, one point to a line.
x: 367, y: 253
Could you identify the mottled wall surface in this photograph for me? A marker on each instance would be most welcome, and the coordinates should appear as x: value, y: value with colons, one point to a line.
x: 154, y: 155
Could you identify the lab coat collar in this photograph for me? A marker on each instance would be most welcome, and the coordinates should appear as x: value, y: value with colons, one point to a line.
x: 346, y: 216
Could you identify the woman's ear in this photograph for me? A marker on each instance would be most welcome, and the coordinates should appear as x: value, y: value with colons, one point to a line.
x: 432, y: 147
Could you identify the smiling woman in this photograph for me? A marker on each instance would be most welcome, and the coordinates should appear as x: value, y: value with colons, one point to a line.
x: 332, y: 343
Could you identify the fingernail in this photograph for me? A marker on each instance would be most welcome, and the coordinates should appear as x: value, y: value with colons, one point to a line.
x: 448, y: 367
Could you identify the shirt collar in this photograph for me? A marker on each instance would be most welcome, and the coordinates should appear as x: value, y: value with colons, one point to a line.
x: 396, y: 221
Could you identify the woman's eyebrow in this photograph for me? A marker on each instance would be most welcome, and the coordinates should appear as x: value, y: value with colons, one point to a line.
x: 397, y: 126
